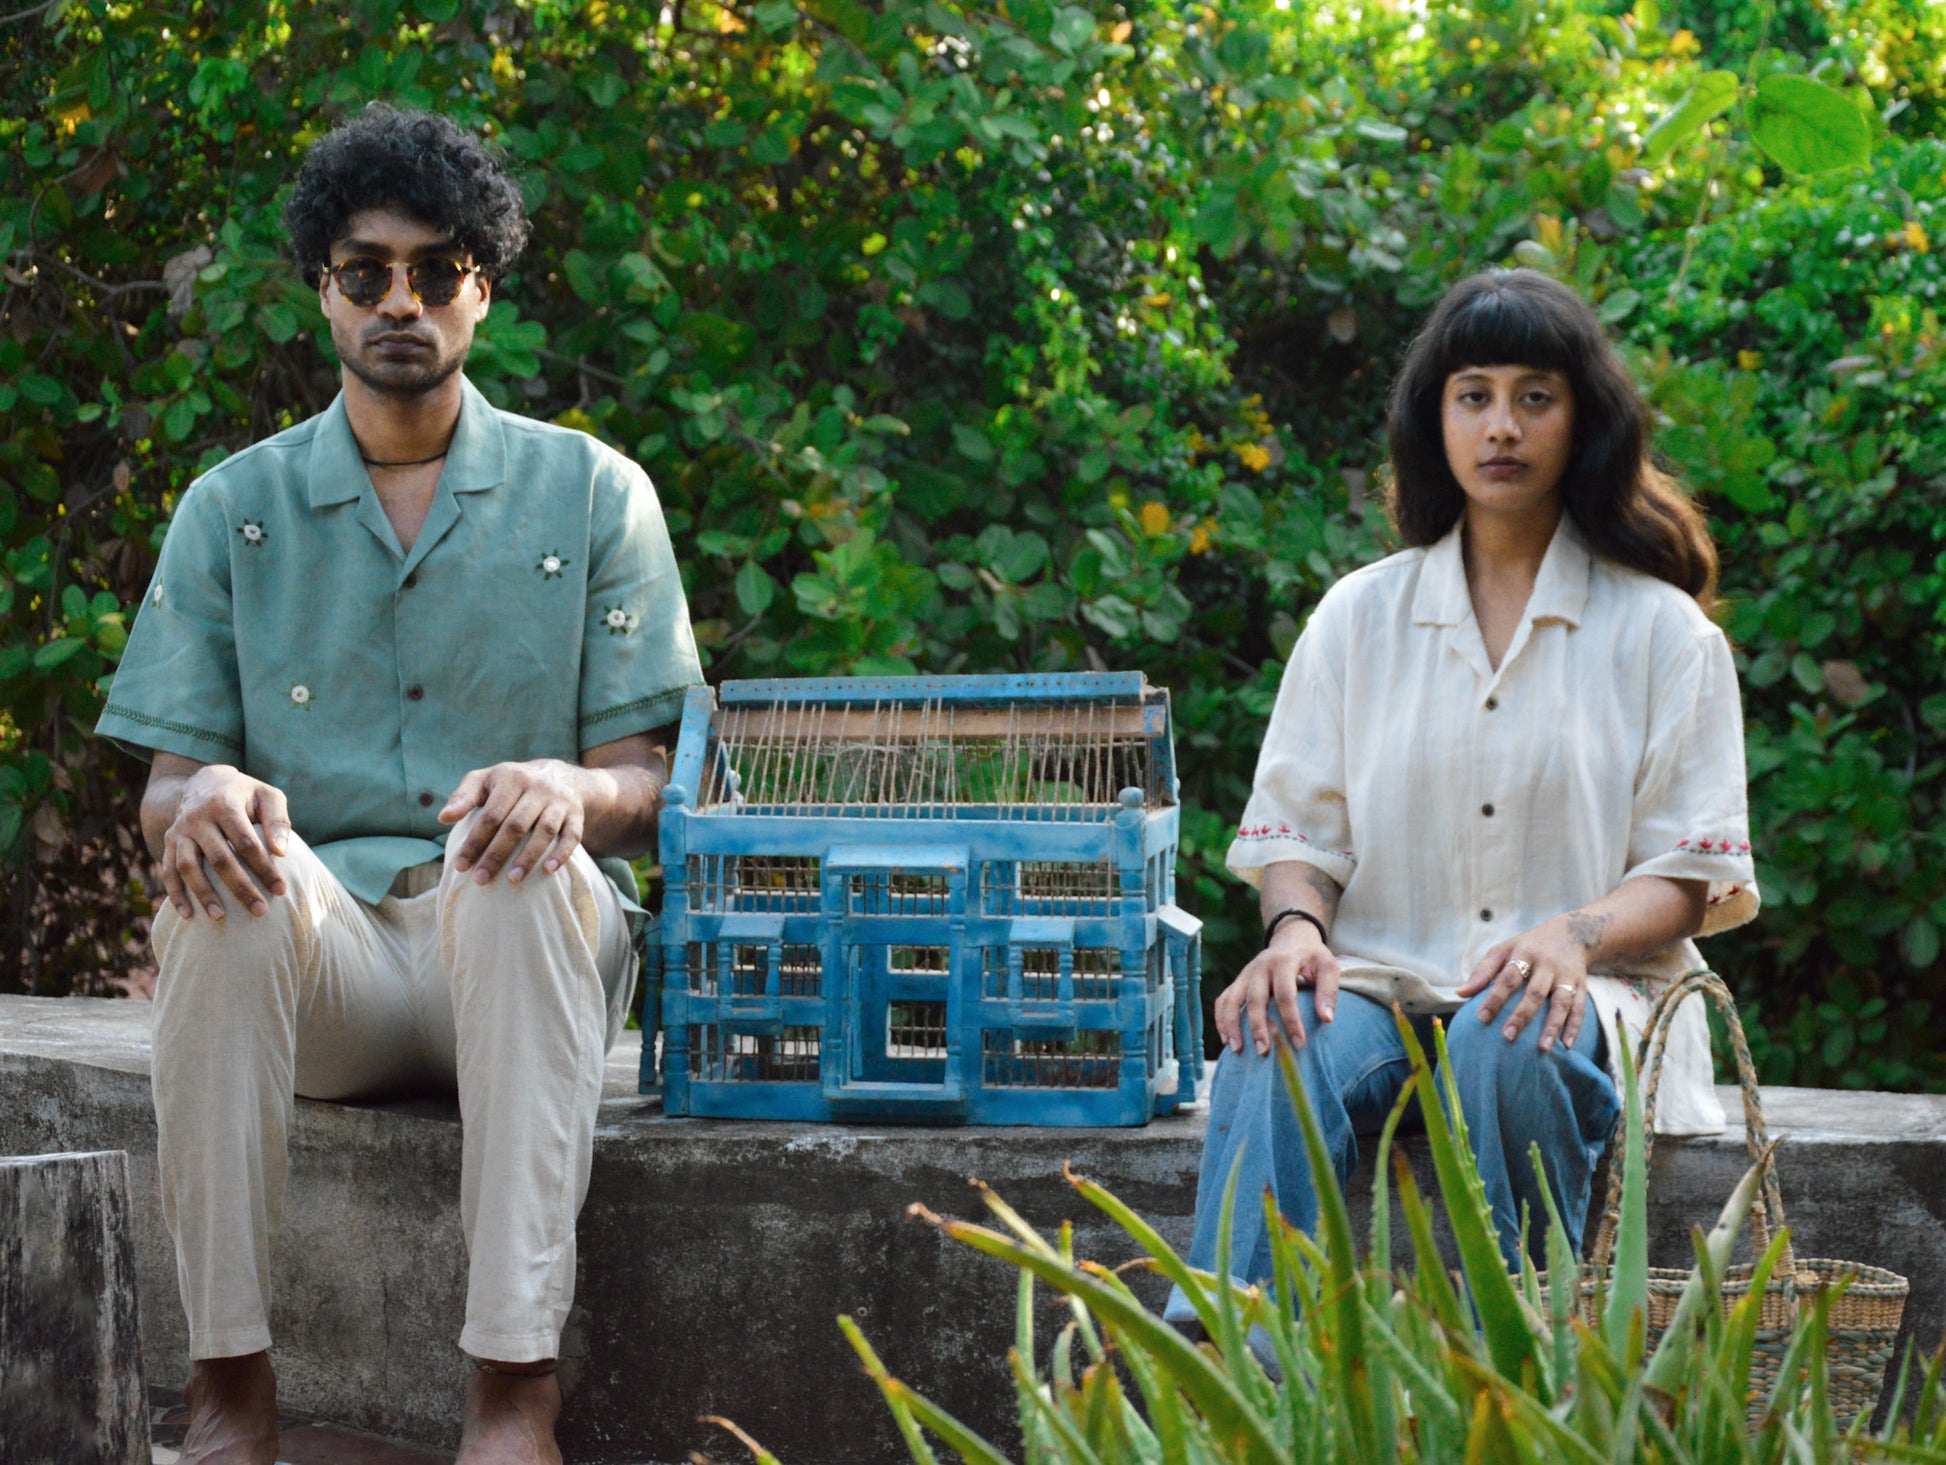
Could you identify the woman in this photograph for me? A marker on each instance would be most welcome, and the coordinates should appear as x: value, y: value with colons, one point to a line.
x: 1503, y: 784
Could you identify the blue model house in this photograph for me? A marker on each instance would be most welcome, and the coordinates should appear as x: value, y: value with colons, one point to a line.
x: 930, y: 899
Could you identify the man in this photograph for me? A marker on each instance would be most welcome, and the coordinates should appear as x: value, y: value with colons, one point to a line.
x: 399, y: 668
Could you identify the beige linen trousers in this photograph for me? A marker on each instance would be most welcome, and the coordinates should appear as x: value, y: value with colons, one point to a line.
x: 512, y: 994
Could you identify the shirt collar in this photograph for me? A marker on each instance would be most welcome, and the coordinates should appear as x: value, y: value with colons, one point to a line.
x: 1560, y: 589
x: 476, y: 459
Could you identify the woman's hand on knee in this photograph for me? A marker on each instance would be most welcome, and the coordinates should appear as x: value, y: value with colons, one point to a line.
x: 1295, y: 959
x: 1545, y: 969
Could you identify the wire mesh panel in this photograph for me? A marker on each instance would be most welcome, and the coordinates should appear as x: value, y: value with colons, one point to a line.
x: 1096, y: 972
x: 720, y: 1055
x: 1049, y: 887
x: 800, y: 970
x: 915, y: 1030
x: 896, y: 759
x: 754, y: 883
x: 897, y: 893
x: 1089, y: 1060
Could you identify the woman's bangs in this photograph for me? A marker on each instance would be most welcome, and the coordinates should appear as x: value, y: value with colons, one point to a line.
x: 1502, y: 327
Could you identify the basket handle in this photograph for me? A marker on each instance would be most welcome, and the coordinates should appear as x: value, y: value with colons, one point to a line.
x: 1767, y: 1217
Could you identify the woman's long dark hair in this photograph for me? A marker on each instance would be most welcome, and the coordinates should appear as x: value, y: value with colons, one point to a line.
x: 1630, y: 510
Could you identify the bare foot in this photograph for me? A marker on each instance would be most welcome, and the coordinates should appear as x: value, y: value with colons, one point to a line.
x: 232, y: 1411
x: 510, y: 1416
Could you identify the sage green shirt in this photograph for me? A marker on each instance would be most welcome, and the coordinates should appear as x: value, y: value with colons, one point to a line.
x: 539, y: 613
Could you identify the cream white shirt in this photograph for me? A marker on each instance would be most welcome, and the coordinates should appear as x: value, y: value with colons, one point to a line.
x: 1459, y: 805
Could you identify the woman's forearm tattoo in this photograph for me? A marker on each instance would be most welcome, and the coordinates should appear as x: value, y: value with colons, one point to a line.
x: 1326, y: 889
x: 1588, y: 928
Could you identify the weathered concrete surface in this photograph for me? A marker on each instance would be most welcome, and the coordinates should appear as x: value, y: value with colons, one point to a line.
x: 71, y: 1387
x: 714, y: 1255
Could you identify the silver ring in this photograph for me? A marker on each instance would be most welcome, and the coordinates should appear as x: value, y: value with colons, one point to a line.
x: 1525, y: 968
x: 1567, y: 987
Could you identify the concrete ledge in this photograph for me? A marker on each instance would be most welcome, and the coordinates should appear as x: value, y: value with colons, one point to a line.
x: 714, y: 1255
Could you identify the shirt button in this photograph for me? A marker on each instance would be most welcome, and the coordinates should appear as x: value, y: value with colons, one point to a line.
x: 425, y: 801
x: 411, y: 580
x: 1487, y: 809
x: 418, y: 694
x: 1492, y: 702
x: 1486, y: 915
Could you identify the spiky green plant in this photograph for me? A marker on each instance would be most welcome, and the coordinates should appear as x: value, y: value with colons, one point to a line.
x: 1382, y: 1363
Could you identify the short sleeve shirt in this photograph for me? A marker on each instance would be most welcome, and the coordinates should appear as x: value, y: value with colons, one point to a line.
x: 539, y: 613
x: 1459, y: 805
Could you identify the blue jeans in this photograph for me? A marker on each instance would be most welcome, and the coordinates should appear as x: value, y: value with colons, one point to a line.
x: 1512, y: 1094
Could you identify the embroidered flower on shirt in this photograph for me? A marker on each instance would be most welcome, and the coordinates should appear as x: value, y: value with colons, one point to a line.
x: 551, y: 564
x: 618, y: 620
x: 300, y: 696
x: 155, y: 595
x: 253, y: 535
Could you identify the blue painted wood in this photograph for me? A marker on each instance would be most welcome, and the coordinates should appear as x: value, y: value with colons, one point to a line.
x: 924, y: 963
x: 995, y: 689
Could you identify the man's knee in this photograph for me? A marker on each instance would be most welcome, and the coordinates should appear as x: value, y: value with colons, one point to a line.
x: 502, y: 911
x: 241, y: 940
x: 174, y: 932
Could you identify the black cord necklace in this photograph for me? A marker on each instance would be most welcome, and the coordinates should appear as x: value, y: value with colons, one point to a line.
x: 409, y: 463
x: 371, y: 462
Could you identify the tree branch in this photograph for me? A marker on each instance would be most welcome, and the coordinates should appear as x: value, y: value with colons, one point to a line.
x: 41, y: 9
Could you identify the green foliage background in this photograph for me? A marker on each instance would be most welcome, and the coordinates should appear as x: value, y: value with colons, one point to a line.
x: 1043, y: 336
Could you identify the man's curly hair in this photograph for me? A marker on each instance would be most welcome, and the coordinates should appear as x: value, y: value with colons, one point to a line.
x: 417, y: 163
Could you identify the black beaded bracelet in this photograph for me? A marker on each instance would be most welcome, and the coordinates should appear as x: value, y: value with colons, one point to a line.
x: 1283, y: 916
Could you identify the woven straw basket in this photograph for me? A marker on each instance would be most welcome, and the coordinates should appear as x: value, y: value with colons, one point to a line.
x: 1863, y: 1321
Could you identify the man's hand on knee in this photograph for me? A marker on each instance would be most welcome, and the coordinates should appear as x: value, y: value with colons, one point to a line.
x: 532, y: 814
x: 235, y: 825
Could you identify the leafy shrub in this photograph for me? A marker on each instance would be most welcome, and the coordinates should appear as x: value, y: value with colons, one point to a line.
x: 1353, y: 1359
x: 1043, y: 337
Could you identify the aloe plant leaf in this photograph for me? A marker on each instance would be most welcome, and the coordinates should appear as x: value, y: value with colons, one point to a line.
x: 1346, y: 1322
x: 1228, y: 1333
x: 915, y: 1440
x: 1052, y: 1419
x: 1786, y: 1404
x: 1289, y: 1267
x: 1105, y: 1419
x: 1090, y: 1338
x: 1164, y: 1405
x: 1061, y: 1366
x: 1664, y: 1372
x: 1207, y: 1386
x: 1628, y: 1278
x: 970, y: 1446
x: 1167, y: 1260
x: 1928, y: 1420
x: 1024, y: 1346
x: 1504, y: 1323
x: 1740, y: 1343
x: 1012, y: 1220
x: 1429, y: 1393
x: 1563, y: 1286
x: 1816, y: 1346
x: 1381, y: 1251
x: 1561, y: 1442
x: 757, y: 1451
x: 1901, y: 1380
x: 1430, y: 1268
